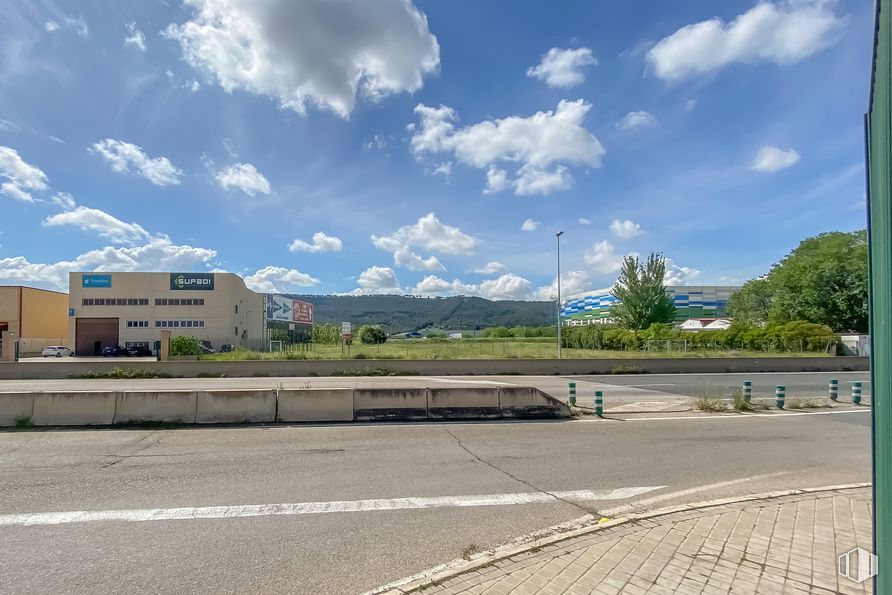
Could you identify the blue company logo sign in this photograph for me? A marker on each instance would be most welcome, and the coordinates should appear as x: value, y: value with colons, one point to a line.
x: 96, y: 281
x: 192, y: 281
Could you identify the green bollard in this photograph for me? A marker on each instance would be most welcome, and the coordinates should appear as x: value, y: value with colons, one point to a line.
x: 834, y: 389
x: 599, y: 403
x: 573, y: 394
x: 856, y: 393
x: 780, y: 395
x: 747, y: 390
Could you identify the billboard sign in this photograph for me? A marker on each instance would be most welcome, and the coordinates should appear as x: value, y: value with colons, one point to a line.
x: 192, y: 281
x: 95, y: 280
x: 280, y: 307
x: 346, y: 329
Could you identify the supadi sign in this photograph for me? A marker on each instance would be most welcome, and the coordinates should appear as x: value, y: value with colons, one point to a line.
x: 192, y: 281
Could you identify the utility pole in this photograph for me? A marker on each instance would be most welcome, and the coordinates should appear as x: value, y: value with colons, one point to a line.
x: 558, y: 236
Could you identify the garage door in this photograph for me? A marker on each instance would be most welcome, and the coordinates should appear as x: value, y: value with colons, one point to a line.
x: 92, y: 334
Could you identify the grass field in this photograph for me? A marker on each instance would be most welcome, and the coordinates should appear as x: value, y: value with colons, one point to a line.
x: 473, y: 349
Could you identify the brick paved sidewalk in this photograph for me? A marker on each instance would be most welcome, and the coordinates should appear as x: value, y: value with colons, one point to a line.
x: 786, y: 544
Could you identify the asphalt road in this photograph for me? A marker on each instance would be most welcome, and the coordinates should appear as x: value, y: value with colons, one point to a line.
x: 352, y: 545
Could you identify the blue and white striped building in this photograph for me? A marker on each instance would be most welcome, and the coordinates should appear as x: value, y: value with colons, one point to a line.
x: 691, y: 301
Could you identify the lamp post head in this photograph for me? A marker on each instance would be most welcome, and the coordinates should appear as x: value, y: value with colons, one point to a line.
x: 559, y: 234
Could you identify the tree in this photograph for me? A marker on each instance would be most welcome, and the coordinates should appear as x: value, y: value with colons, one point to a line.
x: 749, y: 305
x: 642, y: 295
x: 183, y: 345
x: 823, y: 281
x: 371, y: 334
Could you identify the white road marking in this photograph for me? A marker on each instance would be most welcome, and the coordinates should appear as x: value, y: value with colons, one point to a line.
x: 655, y: 384
x: 710, y: 417
x: 640, y: 504
x: 456, y: 381
x: 29, y: 519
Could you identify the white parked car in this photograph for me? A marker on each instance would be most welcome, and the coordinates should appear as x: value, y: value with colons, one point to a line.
x: 56, y: 351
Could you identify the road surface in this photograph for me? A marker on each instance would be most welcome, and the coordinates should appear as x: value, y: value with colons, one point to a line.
x: 362, y: 505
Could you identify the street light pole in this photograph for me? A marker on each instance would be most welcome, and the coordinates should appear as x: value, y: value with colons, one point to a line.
x: 558, y: 236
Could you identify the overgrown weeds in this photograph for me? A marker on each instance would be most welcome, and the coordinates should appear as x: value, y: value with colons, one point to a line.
x: 709, y: 404
x: 122, y: 373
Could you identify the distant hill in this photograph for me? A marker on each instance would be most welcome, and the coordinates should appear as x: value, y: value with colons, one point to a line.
x: 398, y: 313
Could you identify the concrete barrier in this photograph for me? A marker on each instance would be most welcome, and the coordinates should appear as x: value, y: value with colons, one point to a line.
x: 74, y: 408
x: 235, y: 406
x: 385, y: 404
x: 15, y: 407
x: 175, y: 406
x: 525, y: 402
x: 463, y: 403
x: 315, y: 404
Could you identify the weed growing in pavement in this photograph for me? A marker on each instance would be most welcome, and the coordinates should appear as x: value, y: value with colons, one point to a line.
x: 804, y: 403
x: 623, y: 369
x: 122, y: 373
x: 210, y: 375
x: 709, y: 404
x: 469, y: 551
x: 372, y: 372
x: 739, y: 402
x: 23, y: 422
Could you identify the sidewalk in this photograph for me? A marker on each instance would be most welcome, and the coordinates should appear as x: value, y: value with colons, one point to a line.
x: 779, y: 544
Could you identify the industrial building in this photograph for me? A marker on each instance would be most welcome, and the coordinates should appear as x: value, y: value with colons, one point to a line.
x: 132, y: 309
x: 34, y: 317
x: 703, y: 301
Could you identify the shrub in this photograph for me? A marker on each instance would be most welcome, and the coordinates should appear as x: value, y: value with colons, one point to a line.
x: 709, y: 404
x: 372, y: 334
x: 185, y: 346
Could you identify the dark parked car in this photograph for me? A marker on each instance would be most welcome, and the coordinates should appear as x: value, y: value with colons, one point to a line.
x: 114, y: 351
x: 139, y: 352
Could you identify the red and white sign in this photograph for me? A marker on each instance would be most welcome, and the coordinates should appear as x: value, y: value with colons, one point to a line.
x: 302, y: 312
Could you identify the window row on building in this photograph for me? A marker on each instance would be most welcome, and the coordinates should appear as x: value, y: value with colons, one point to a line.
x: 137, y: 324
x: 179, y: 324
x: 179, y: 301
x: 115, y: 302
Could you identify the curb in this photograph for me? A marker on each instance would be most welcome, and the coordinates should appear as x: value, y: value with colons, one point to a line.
x: 569, y: 530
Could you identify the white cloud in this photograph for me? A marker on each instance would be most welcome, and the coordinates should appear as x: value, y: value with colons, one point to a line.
x: 626, y: 229
x: 603, y: 259
x: 126, y: 157
x: 507, y: 287
x: 107, y: 226
x: 159, y: 254
x: 314, y: 52
x: 244, y: 177
x: 192, y: 86
x: 572, y: 282
x: 770, y: 159
x: 377, y: 280
x: 278, y: 280
x: 321, y: 243
x: 584, y: 221
x: 429, y: 233
x: 530, y: 225
x: 636, y: 120
x: 537, y: 146
x: 690, y: 104
x: 433, y: 285
x: 444, y: 169
x: 563, y: 68
x: 496, y: 180
x: 136, y: 37
x: 79, y: 25
x: 677, y: 275
x: 783, y: 33
x: 491, y: 268
x: 64, y: 201
x: 20, y: 176
x: 51, y: 26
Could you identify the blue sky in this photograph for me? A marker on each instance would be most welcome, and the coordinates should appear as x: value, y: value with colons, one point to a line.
x: 426, y: 147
